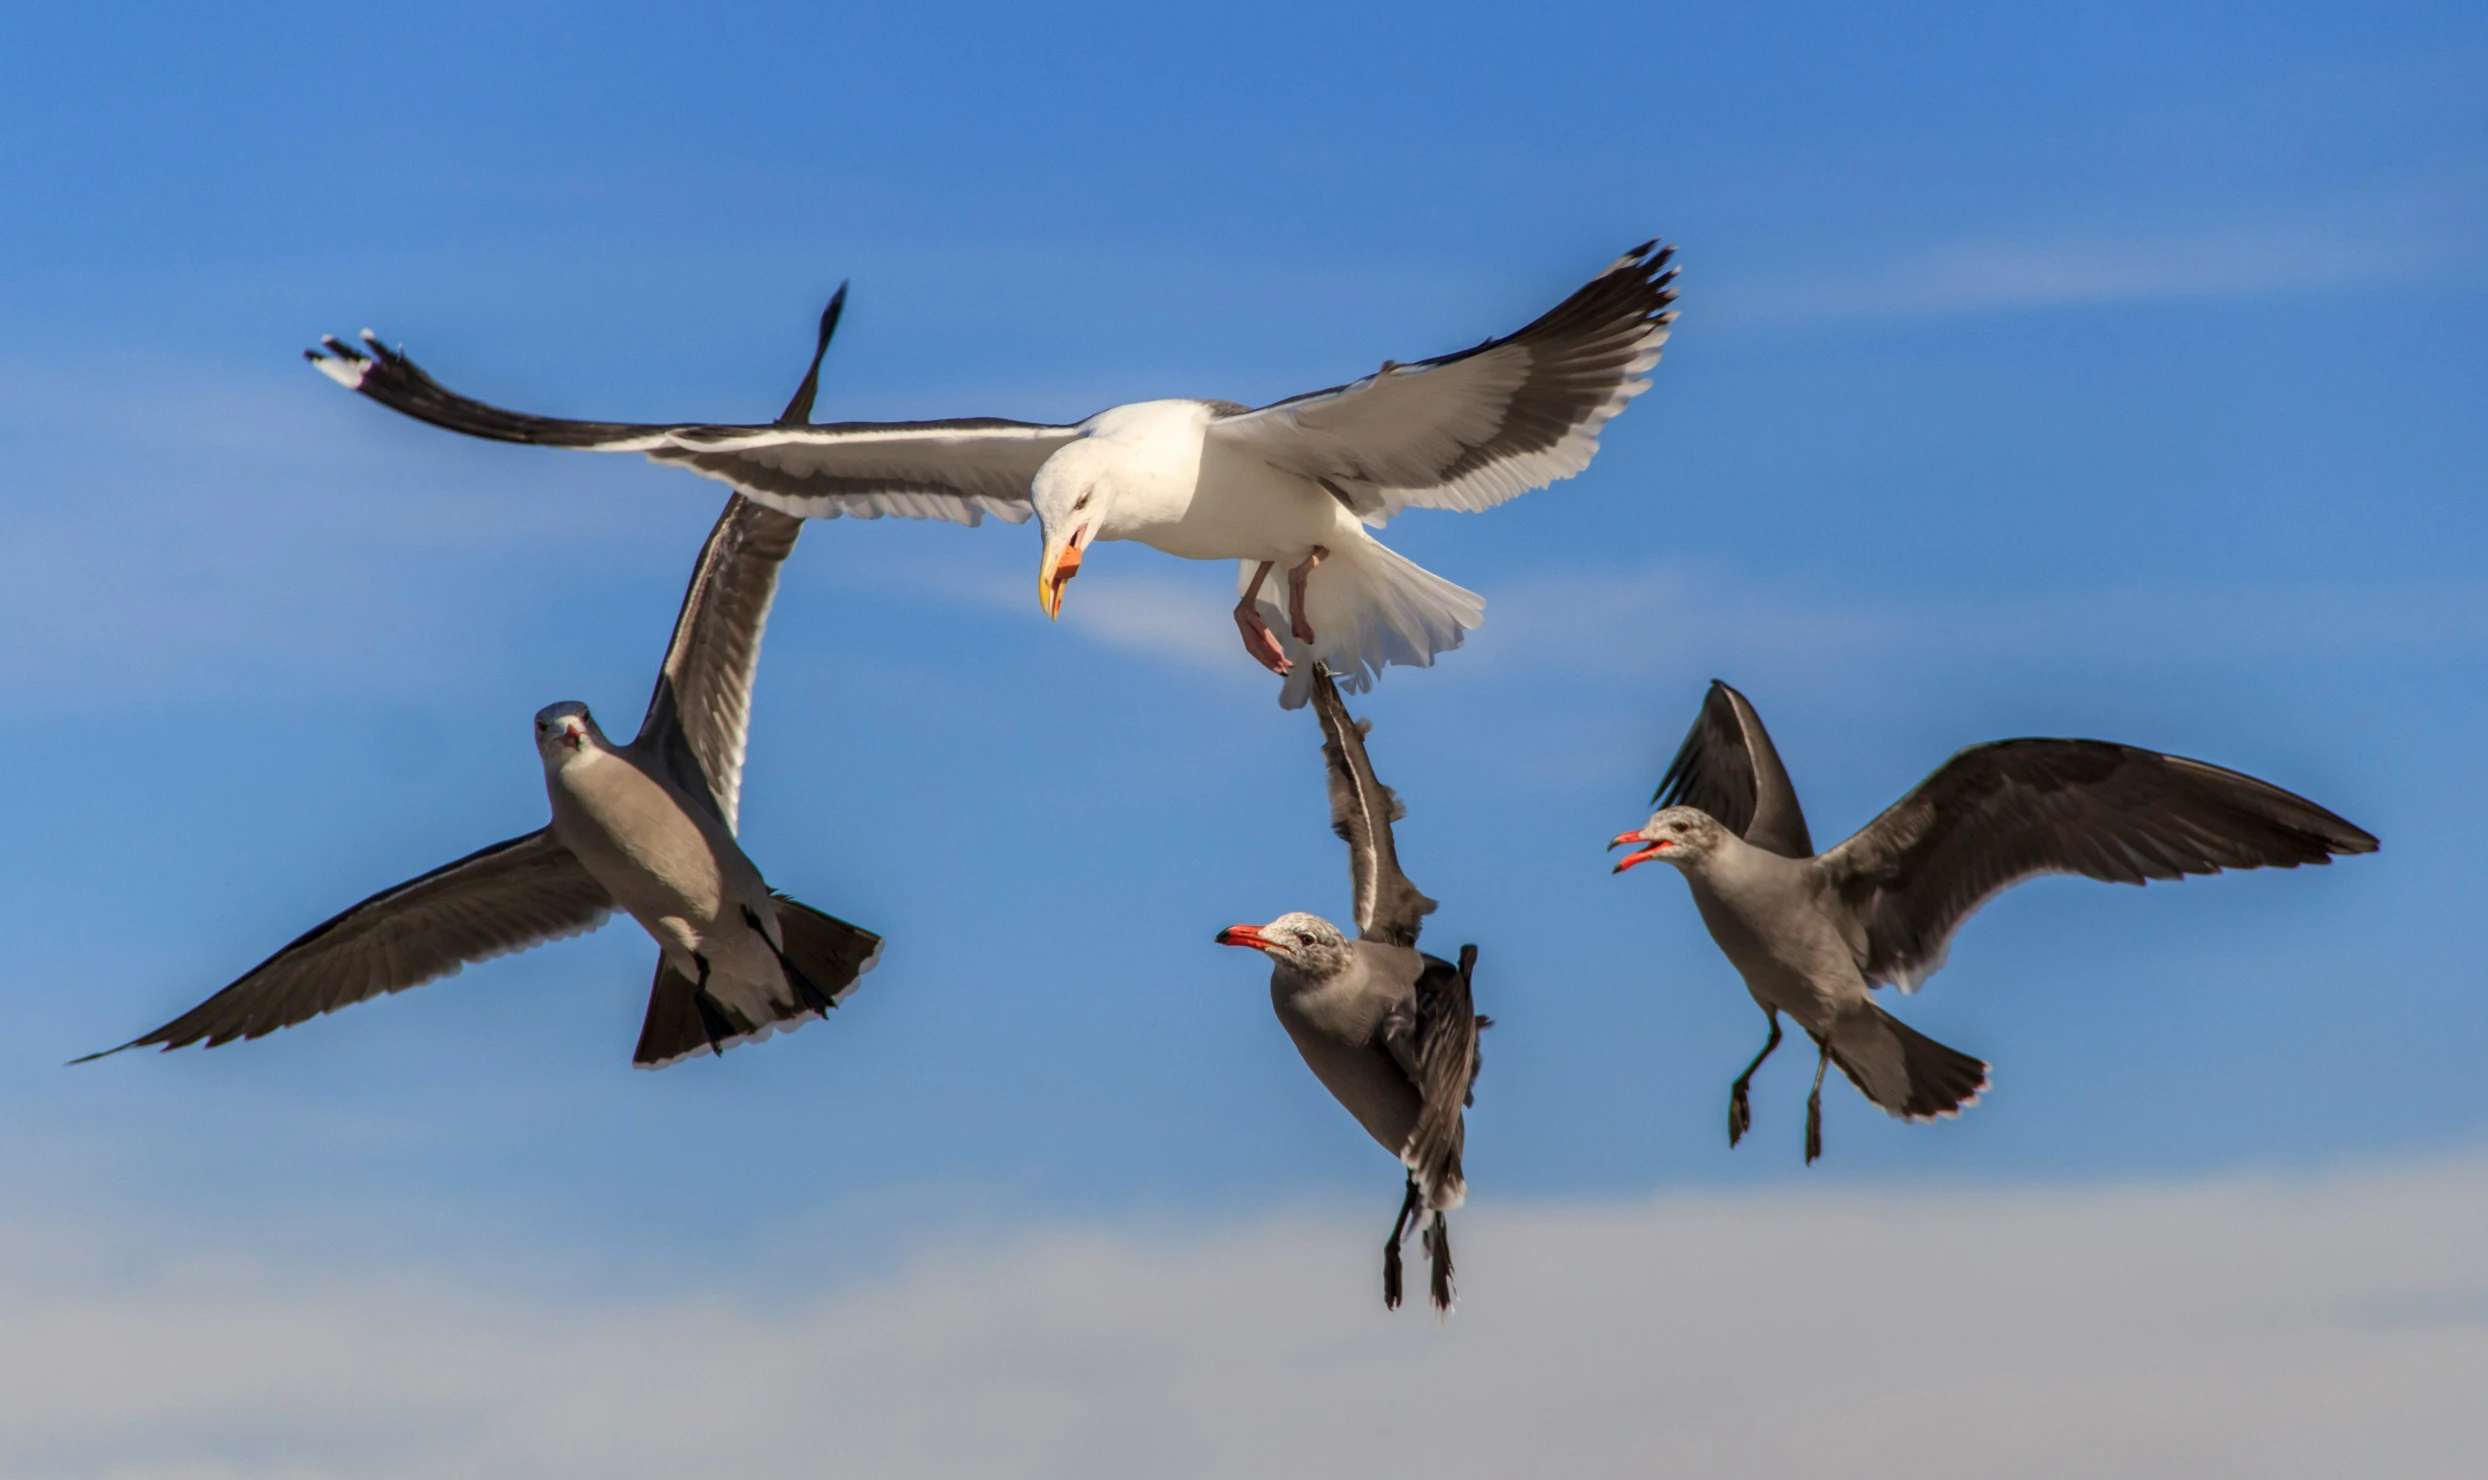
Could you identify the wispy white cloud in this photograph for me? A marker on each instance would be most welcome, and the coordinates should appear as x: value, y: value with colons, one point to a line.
x: 1644, y: 620
x: 2323, y: 1325
x: 2401, y: 232
x: 1163, y: 616
x: 1966, y: 277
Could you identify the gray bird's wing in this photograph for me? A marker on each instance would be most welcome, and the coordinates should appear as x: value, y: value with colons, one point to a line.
x: 700, y: 715
x: 1470, y: 430
x: 1388, y: 907
x: 1436, y: 1046
x: 502, y: 899
x: 958, y: 470
x: 1728, y: 768
x: 1997, y: 814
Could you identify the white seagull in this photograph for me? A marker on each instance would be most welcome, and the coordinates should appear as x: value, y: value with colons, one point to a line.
x: 646, y: 827
x: 1388, y: 1030
x: 1295, y: 484
x: 1814, y: 934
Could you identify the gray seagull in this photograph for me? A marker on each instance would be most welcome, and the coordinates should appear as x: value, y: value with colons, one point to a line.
x: 1814, y: 934
x: 1389, y: 1031
x: 646, y: 827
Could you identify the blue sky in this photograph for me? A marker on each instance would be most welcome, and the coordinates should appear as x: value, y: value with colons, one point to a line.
x: 2111, y: 371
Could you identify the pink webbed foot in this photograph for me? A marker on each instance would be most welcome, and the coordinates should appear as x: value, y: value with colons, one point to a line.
x: 1259, y: 640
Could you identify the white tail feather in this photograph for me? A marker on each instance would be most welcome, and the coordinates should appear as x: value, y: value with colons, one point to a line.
x: 1369, y: 606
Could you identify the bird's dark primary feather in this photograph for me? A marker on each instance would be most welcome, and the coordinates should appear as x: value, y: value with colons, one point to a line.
x: 397, y: 382
x: 1999, y: 813
x: 1389, y: 908
x: 799, y: 406
x: 1728, y: 768
x: 1442, y: 1059
x: 496, y: 900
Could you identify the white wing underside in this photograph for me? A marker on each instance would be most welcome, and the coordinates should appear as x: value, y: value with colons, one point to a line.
x: 1469, y: 430
x: 1387, y: 440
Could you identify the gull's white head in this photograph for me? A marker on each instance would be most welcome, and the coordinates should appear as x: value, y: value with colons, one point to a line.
x: 1309, y: 943
x: 1684, y: 836
x: 565, y: 731
x: 1072, y: 493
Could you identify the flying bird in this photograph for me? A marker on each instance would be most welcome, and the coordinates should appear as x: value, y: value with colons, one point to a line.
x: 1814, y: 934
x: 647, y: 827
x: 1389, y: 1031
x: 1293, y: 486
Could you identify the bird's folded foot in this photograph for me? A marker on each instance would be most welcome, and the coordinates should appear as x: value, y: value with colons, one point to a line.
x: 1298, y: 623
x: 1259, y: 640
x: 1741, y: 1113
x: 1391, y: 1248
x: 1438, y: 1252
x: 1814, y: 1105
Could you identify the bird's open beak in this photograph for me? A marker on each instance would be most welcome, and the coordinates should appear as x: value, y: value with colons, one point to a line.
x: 1644, y: 856
x: 1246, y: 935
x: 1055, y: 572
x: 574, y: 737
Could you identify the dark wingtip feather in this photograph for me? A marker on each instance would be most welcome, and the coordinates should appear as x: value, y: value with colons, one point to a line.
x: 799, y: 409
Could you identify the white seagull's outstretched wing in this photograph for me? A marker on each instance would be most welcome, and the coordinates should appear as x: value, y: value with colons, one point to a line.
x: 954, y: 470
x: 1470, y: 430
x: 501, y: 899
x: 1389, y: 908
x: 700, y: 714
x: 2000, y: 813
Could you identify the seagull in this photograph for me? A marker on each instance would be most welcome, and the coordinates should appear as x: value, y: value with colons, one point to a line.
x: 647, y: 828
x: 1294, y: 484
x: 1388, y: 1030
x: 1814, y: 934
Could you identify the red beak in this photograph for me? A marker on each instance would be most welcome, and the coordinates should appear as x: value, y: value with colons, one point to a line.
x: 1644, y: 856
x: 1243, y: 935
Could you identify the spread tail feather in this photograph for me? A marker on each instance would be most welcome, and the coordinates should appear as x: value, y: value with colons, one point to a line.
x: 823, y: 957
x: 826, y: 949
x: 1901, y: 1069
x: 1369, y: 605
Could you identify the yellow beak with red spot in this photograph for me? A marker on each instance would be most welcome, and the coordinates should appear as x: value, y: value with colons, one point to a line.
x: 1054, y: 571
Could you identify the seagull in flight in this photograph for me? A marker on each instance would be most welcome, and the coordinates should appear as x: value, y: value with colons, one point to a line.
x: 1388, y: 1030
x: 1814, y: 934
x: 646, y: 827
x: 1289, y: 490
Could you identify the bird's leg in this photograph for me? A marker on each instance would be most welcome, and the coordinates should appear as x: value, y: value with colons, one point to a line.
x: 1740, y: 1112
x: 1391, y: 1248
x: 1438, y: 1250
x: 1259, y: 640
x: 805, y: 992
x: 712, y: 1017
x: 1297, y: 621
x: 1814, y: 1102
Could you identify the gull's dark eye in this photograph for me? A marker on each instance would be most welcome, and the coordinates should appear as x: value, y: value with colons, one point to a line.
x: 1080, y: 503
x: 1303, y: 939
